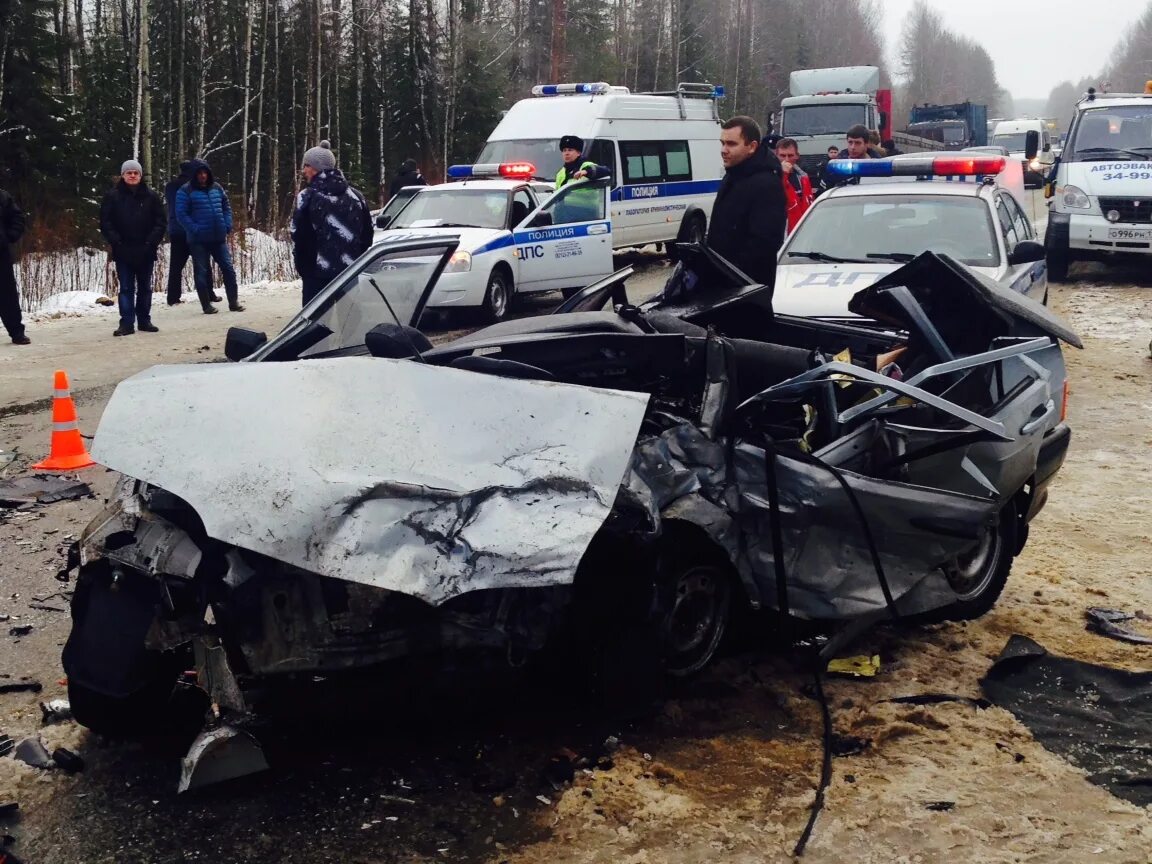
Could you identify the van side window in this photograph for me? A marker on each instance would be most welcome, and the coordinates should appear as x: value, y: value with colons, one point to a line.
x: 603, y: 152
x: 655, y: 161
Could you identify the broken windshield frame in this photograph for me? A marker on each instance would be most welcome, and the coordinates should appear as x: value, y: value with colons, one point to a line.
x: 340, y: 316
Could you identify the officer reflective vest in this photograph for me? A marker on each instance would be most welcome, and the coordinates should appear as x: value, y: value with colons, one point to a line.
x: 581, y: 205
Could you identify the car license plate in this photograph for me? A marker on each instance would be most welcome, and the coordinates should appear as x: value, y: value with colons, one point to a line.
x: 1129, y: 234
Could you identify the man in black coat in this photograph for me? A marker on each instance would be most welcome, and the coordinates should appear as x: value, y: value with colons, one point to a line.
x: 11, y: 229
x: 132, y: 220
x: 748, y: 217
x: 408, y: 175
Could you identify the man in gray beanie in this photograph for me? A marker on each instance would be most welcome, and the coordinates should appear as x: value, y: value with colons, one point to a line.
x: 331, y: 225
x: 132, y: 220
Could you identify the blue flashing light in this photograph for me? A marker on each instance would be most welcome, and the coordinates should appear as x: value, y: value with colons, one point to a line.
x: 592, y: 89
x: 860, y: 167
x: 459, y: 172
x: 718, y: 92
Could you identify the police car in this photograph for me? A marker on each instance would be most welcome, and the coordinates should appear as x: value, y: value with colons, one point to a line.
x: 516, y: 235
x: 967, y: 206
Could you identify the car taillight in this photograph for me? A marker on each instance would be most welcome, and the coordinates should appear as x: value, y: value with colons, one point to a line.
x: 1064, y: 402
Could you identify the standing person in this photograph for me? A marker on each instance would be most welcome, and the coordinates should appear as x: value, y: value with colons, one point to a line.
x: 575, y: 166
x: 132, y: 220
x: 408, y: 175
x: 833, y: 152
x: 11, y: 230
x: 797, y: 187
x: 178, y: 250
x: 857, y: 147
x: 748, y: 217
x: 205, y: 214
x: 331, y: 225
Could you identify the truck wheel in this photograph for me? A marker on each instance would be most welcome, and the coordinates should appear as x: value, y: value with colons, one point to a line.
x: 978, y: 576
x: 498, y: 296
x: 1058, y: 264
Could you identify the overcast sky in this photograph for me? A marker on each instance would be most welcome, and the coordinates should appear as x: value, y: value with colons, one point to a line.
x: 1034, y: 45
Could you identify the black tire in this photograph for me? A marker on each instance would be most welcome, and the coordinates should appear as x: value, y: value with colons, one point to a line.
x: 697, y: 230
x: 695, y: 592
x: 498, y: 296
x: 1058, y: 263
x: 144, y: 712
x: 979, y: 576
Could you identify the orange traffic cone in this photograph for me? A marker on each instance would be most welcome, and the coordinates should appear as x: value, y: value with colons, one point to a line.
x: 68, y: 450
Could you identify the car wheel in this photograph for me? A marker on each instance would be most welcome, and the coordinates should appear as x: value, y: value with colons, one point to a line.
x: 978, y: 576
x: 1057, y: 264
x: 696, y: 602
x: 498, y: 296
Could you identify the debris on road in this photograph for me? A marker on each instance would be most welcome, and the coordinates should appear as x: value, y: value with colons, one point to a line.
x: 6, y: 745
x: 862, y: 666
x: 223, y: 753
x: 938, y: 699
x: 41, y: 489
x: 20, y: 630
x: 24, y: 685
x: 1108, y: 622
x: 68, y: 761
x: 56, y: 711
x: 940, y: 806
x: 31, y: 751
x: 849, y: 745
x: 1097, y: 717
x: 9, y: 808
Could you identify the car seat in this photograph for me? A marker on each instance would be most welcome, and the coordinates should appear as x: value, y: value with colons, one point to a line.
x: 519, y: 213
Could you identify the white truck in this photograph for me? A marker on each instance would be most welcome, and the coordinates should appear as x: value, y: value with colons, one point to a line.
x: 825, y: 103
x: 1101, y: 186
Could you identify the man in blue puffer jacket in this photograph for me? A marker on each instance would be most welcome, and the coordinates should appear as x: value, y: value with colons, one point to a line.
x: 203, y: 211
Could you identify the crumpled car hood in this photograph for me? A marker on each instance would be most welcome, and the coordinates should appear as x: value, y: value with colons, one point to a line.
x: 419, y: 479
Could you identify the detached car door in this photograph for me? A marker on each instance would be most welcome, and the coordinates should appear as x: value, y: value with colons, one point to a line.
x: 567, y: 241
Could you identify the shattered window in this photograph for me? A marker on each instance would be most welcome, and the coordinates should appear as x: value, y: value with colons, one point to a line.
x: 360, y: 298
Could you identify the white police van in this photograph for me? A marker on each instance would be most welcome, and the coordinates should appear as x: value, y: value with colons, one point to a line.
x: 516, y: 235
x: 1101, y: 194
x: 969, y: 206
x: 663, y: 150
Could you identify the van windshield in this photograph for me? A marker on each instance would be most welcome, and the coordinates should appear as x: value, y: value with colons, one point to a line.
x: 544, y: 153
x: 822, y: 119
x: 1013, y: 142
x: 1112, y: 132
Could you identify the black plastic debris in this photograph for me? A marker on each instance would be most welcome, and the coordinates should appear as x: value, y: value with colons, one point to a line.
x: 9, y: 808
x: 31, y: 751
x: 6, y: 745
x: 849, y: 745
x: 1096, y: 717
x: 25, y: 685
x: 1109, y: 622
x: 68, y: 761
x: 40, y: 489
x: 940, y: 806
x: 20, y: 630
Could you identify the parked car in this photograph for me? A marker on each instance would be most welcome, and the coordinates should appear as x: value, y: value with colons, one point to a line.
x: 609, y: 471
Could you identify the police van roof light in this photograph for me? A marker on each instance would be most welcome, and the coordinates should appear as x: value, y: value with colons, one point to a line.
x: 507, y: 170
x: 596, y: 88
x: 918, y: 166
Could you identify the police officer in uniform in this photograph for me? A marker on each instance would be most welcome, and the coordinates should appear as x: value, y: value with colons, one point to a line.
x: 579, y: 206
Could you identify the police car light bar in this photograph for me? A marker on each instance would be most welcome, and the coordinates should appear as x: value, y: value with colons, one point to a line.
x: 506, y: 170
x: 918, y: 166
x: 597, y: 88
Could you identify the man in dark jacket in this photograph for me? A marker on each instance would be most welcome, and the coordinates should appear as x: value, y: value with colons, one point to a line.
x: 858, y: 139
x: 331, y: 226
x: 748, y: 217
x: 132, y: 220
x: 408, y: 175
x: 205, y: 214
x: 178, y: 250
x: 11, y: 230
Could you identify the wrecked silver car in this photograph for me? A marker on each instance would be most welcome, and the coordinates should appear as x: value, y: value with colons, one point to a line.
x: 350, y: 494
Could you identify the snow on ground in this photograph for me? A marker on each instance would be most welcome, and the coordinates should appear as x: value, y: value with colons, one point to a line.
x: 69, y: 284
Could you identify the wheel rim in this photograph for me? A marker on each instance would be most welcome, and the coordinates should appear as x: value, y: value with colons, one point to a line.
x: 497, y: 295
x: 970, y: 574
x: 697, y: 619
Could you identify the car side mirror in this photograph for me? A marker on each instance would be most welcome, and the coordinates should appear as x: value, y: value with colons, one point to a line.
x: 1031, y: 144
x: 382, y: 221
x: 242, y: 342
x: 1027, y: 252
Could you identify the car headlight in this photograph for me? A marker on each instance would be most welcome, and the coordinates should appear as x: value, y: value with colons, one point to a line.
x: 460, y: 262
x: 1074, y: 198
